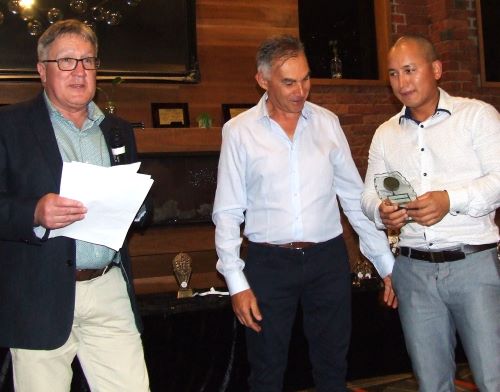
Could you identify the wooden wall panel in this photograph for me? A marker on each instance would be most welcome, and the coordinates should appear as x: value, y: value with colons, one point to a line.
x: 228, y: 34
x: 259, y: 14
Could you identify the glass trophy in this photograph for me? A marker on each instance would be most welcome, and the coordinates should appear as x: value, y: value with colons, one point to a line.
x: 395, y: 187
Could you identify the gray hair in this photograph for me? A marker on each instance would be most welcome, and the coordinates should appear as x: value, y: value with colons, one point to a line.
x: 63, y: 27
x: 426, y: 45
x: 275, y: 48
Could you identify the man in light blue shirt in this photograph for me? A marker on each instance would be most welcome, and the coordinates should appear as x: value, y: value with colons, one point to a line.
x: 283, y: 164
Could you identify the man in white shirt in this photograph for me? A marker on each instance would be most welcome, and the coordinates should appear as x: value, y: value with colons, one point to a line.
x: 283, y: 164
x: 447, y: 274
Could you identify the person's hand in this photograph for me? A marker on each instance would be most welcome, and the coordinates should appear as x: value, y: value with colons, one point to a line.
x: 390, y: 298
x: 392, y: 216
x: 53, y: 211
x: 429, y: 208
x: 246, y: 309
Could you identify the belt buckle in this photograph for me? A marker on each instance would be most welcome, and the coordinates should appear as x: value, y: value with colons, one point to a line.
x: 437, y: 257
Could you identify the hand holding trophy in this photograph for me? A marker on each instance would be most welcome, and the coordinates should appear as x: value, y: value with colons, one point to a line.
x: 182, y: 270
x: 395, y: 187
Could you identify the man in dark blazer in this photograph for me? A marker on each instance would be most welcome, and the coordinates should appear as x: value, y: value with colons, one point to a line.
x: 60, y: 297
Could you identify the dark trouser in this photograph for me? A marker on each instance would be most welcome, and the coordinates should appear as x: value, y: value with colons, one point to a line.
x: 318, y: 277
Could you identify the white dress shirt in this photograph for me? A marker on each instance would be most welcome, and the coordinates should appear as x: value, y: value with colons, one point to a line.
x: 458, y: 150
x: 286, y: 190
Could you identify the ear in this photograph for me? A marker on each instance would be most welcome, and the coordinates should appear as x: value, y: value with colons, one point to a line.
x: 437, y: 69
x: 261, y: 80
x: 42, y: 72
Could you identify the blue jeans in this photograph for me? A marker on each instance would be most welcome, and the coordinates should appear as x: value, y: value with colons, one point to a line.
x: 319, y: 278
x: 436, y: 300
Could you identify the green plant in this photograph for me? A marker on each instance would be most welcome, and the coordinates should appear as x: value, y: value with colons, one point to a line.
x: 204, y: 120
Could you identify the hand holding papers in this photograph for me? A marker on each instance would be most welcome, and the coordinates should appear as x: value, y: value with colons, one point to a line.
x: 395, y: 187
x: 112, y: 195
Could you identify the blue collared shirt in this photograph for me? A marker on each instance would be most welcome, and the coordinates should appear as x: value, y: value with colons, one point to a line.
x: 286, y: 190
x: 83, y: 145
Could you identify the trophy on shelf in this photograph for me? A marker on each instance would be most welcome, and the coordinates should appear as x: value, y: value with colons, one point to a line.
x: 182, y: 271
x: 335, y: 61
x: 395, y: 187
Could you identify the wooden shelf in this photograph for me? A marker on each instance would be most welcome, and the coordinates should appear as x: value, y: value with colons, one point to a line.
x: 172, y: 239
x: 152, y: 250
x: 164, y: 140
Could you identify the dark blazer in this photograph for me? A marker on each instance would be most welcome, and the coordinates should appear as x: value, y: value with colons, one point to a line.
x: 37, y: 277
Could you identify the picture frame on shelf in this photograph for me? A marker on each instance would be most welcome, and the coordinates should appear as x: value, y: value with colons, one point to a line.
x: 230, y: 110
x: 170, y: 115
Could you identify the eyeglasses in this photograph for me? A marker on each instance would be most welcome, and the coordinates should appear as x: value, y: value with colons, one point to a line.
x: 69, y: 64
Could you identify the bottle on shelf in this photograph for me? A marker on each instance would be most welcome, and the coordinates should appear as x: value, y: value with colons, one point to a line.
x: 335, y: 62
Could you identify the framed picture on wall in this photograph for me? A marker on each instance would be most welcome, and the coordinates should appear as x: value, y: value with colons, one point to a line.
x: 230, y: 110
x: 170, y: 115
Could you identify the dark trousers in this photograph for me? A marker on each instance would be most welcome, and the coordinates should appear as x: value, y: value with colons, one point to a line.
x: 318, y: 277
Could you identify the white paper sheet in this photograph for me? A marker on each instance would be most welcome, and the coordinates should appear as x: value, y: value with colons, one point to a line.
x: 112, y: 195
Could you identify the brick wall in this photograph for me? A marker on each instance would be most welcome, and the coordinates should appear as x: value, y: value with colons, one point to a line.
x: 452, y: 27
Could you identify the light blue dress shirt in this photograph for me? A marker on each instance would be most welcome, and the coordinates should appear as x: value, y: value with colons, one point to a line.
x: 286, y: 190
x: 83, y: 145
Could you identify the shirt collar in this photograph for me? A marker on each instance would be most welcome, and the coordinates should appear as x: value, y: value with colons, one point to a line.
x: 264, y: 113
x: 444, y: 105
x: 94, y: 114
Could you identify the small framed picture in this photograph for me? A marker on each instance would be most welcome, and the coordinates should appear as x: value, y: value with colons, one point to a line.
x: 230, y: 110
x: 170, y: 115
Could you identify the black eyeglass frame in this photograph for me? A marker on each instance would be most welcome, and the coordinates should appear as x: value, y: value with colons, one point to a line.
x: 97, y: 63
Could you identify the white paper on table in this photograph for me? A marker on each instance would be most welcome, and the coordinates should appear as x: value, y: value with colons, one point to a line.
x: 112, y: 195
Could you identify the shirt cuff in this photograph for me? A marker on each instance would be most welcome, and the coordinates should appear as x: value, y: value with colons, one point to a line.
x: 459, y: 200
x: 384, y: 264
x: 40, y: 231
x: 236, y: 281
x: 378, y: 220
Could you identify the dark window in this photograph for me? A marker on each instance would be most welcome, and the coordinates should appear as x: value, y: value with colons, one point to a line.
x: 350, y: 25
x: 184, y: 187
x: 489, y: 28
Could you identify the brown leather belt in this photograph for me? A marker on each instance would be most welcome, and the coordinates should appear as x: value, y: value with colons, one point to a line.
x: 88, y: 274
x: 445, y: 255
x: 290, y: 245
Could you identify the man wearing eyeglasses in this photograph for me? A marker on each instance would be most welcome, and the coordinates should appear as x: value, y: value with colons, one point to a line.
x: 59, y: 297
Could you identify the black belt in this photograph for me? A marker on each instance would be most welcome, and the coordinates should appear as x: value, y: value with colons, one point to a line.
x: 444, y: 256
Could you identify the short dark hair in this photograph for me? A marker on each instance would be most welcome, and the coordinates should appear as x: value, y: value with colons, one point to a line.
x: 62, y: 27
x: 425, y: 44
x: 275, y: 48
